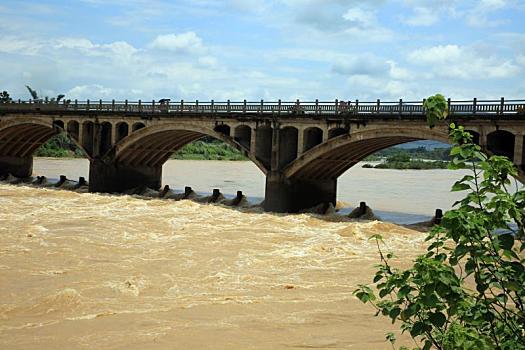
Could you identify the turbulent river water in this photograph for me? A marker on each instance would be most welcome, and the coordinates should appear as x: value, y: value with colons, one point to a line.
x: 90, y: 271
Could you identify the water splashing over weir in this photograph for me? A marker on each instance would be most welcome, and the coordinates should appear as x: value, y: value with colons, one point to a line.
x: 99, y: 271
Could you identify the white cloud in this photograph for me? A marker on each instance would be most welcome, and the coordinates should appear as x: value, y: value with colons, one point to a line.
x: 423, y: 16
x: 481, y: 14
x: 362, y: 65
x: 360, y: 18
x: 460, y: 62
x: 187, y: 42
x: 438, y: 54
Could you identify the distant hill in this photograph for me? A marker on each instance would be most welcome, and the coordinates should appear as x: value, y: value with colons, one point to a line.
x: 428, y: 144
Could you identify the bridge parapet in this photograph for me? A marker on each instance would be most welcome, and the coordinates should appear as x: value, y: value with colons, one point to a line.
x: 350, y: 109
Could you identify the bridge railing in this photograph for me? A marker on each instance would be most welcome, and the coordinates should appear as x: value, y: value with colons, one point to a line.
x: 296, y: 108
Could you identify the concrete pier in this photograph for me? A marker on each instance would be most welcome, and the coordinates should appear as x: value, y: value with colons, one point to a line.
x: 293, y: 195
x: 113, y: 177
x: 16, y: 166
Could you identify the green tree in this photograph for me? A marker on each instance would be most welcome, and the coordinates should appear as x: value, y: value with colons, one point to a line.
x: 436, y: 108
x: 468, y: 290
x: 34, y: 96
x: 4, y: 97
x: 401, y: 157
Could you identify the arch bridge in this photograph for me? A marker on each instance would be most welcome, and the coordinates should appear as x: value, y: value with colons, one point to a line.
x: 301, y: 147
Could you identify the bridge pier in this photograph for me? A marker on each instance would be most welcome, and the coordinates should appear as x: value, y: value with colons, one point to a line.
x: 111, y: 177
x: 292, y: 195
x: 17, y: 166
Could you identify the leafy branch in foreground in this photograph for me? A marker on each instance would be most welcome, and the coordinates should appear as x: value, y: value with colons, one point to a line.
x: 468, y: 290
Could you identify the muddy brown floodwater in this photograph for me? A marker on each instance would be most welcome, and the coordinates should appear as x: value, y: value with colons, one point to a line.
x: 90, y: 271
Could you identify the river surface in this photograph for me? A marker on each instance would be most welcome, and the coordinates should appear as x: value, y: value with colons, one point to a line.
x: 400, y: 196
x: 91, y: 271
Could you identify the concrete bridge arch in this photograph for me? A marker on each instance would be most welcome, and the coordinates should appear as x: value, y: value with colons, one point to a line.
x: 137, y: 160
x: 330, y: 159
x: 20, y: 138
x: 154, y: 145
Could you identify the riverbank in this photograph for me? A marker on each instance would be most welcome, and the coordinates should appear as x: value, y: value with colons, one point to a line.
x: 413, y: 164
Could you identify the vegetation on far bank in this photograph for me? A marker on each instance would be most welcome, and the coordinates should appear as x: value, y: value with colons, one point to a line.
x: 413, y: 153
x: 209, y: 150
x: 61, y: 146
x: 401, y: 159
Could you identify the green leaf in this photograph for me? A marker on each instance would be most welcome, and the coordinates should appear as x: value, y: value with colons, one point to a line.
x: 506, y: 241
x: 418, y: 328
x: 438, y: 319
x: 458, y: 186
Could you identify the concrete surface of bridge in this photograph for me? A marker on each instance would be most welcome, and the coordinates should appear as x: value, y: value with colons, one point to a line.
x: 301, y: 147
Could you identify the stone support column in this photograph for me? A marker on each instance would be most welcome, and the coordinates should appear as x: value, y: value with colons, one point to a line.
x: 96, y: 139
x: 253, y: 141
x: 274, y: 161
x: 518, y: 149
x: 113, y: 134
x: 300, y: 141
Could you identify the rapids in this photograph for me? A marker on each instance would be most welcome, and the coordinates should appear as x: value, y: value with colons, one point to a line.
x: 91, y: 271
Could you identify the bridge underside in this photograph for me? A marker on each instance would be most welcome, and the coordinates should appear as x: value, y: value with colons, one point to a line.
x: 17, y: 145
x: 335, y: 162
x: 139, y: 164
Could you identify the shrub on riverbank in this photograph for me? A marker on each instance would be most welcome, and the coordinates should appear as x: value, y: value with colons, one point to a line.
x: 402, y: 161
x: 59, y: 146
x: 468, y: 290
x: 212, y: 150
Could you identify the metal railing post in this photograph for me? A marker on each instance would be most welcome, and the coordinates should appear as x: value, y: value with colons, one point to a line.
x: 449, y: 102
x: 378, y: 106
x: 196, y: 106
x: 356, y: 106
x: 126, y: 105
x: 244, y: 107
x: 400, y: 107
x: 212, y: 106
x: 153, y: 106
x: 87, y: 105
x: 502, y: 106
x: 316, y: 106
x: 76, y: 104
x: 113, y: 105
x: 100, y: 104
x: 336, y: 106
x: 228, y: 107
x: 474, y: 106
x: 279, y: 107
x: 262, y: 106
x: 181, y: 106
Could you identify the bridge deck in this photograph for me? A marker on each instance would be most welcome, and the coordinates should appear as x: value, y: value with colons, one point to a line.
x: 503, y: 109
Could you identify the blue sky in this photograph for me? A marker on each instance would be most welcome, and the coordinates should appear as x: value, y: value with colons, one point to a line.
x: 254, y: 49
